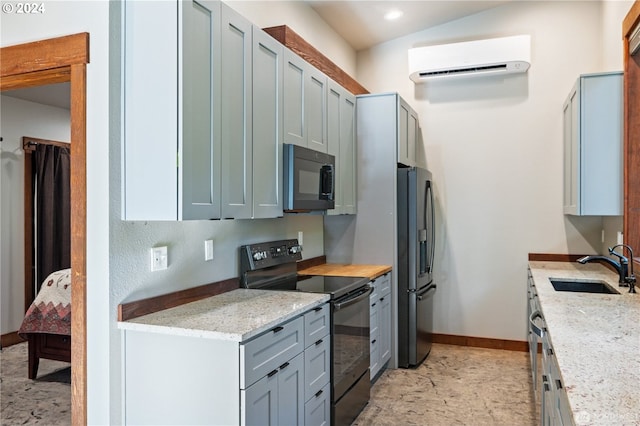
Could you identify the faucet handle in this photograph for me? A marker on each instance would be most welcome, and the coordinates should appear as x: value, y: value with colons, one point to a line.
x: 623, y: 259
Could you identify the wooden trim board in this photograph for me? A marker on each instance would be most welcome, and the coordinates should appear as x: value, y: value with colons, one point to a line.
x: 10, y: 339
x: 306, y: 51
x: 553, y: 257
x: 138, y: 308
x: 481, y: 342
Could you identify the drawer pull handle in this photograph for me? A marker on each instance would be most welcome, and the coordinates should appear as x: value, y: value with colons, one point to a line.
x: 373, y: 341
x: 381, y: 299
x: 318, y: 309
x: 272, y: 373
x: 558, y: 384
x: 318, y: 342
x: 283, y: 366
x: 373, y: 304
x: 318, y: 393
x: 277, y: 329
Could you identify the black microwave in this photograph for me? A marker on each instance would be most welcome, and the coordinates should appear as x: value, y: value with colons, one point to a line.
x: 308, y: 179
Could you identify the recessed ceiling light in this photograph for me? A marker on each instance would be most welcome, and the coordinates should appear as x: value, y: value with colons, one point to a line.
x: 393, y: 14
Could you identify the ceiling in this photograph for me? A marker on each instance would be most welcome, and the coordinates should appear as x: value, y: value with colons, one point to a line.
x: 361, y: 22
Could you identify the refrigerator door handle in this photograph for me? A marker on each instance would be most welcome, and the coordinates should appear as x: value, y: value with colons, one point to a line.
x: 432, y: 243
x: 424, y: 293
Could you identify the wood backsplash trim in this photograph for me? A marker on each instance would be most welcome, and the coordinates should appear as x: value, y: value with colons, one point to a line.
x: 130, y: 310
x: 306, y: 51
x: 554, y: 257
x: 309, y: 263
x: 482, y: 342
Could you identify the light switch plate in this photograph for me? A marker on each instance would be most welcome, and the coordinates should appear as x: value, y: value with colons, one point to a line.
x: 208, y: 250
x: 159, y: 258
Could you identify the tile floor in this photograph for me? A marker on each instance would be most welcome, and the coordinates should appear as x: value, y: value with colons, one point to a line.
x: 455, y: 386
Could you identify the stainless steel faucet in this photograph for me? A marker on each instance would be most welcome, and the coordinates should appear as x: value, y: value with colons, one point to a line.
x: 625, y: 273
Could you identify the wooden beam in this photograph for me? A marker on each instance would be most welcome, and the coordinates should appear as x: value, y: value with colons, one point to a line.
x: 36, y: 78
x: 631, y: 20
x: 45, y: 54
x: 306, y: 51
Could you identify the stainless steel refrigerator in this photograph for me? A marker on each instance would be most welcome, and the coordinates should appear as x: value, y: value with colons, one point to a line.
x: 416, y: 288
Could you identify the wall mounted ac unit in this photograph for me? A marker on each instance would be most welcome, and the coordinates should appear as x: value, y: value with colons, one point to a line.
x: 506, y: 55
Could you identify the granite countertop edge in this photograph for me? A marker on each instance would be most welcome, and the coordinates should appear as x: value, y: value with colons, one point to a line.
x: 596, y: 340
x: 237, y: 315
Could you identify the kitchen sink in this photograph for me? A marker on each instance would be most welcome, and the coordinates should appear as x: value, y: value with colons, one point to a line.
x: 582, y: 286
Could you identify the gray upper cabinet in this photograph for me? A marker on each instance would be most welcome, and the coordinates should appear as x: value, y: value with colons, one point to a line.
x: 341, y: 137
x: 407, y: 132
x: 251, y: 120
x: 171, y: 110
x: 267, y: 115
x: 305, y: 103
x: 237, y: 152
x: 593, y: 161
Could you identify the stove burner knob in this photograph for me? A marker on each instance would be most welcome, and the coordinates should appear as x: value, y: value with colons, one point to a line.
x: 259, y: 255
x: 295, y: 249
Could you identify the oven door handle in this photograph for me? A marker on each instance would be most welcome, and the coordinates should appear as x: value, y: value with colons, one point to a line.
x: 360, y: 296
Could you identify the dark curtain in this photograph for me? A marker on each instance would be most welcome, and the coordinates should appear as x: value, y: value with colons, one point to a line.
x: 52, y: 210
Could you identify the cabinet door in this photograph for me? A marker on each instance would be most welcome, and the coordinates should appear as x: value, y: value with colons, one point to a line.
x: 315, y: 108
x: 291, y: 392
x: 237, y: 149
x: 571, y: 134
x: 294, y: 85
x: 317, y: 410
x: 334, y: 99
x: 348, y: 148
x: 259, y: 402
x: 384, y: 327
x: 317, y: 366
x: 267, y: 125
x: 150, y: 103
x: 341, y: 119
x: 374, y: 335
x: 406, y: 133
x: 200, y: 124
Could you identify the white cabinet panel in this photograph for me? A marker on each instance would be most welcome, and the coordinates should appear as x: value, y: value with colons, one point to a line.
x: 294, y: 91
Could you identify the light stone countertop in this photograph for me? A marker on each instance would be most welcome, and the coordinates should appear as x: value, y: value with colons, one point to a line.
x: 596, y: 340
x: 237, y: 315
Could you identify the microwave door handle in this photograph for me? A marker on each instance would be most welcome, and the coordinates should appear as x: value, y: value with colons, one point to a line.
x: 326, y: 182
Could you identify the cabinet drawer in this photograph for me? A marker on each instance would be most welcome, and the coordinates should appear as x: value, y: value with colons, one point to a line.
x: 383, y: 284
x: 268, y: 351
x: 317, y: 411
x: 317, y: 366
x: 316, y: 324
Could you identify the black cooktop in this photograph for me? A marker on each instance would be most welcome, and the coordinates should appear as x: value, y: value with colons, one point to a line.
x: 334, y: 286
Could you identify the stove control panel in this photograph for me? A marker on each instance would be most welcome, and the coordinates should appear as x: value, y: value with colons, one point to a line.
x: 264, y: 255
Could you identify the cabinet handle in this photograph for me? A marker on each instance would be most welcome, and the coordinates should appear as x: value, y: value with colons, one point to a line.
x: 318, y: 309
x: 283, y: 366
x: 277, y: 329
x: 550, y: 351
x: 533, y: 327
x: 544, y: 378
x: 381, y: 299
x: 318, y: 342
x: 558, y: 384
x: 318, y: 393
x: 373, y: 304
x: 272, y: 373
x: 373, y: 341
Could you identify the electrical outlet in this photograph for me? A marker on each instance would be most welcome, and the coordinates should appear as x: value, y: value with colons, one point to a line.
x: 208, y: 250
x: 300, y: 238
x: 159, y: 258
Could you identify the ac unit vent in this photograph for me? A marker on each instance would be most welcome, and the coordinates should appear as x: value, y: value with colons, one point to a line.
x: 506, y: 55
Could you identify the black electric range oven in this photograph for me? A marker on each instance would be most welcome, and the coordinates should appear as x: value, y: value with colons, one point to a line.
x: 272, y: 266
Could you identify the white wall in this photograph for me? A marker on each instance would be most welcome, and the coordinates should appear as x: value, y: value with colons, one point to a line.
x: 495, y: 149
x: 298, y: 16
x: 19, y: 118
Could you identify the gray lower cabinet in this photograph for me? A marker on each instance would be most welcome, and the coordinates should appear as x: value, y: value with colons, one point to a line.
x: 170, y: 101
x: 275, y: 378
x: 593, y: 146
x: 380, y: 323
x: 341, y: 143
x: 550, y: 395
